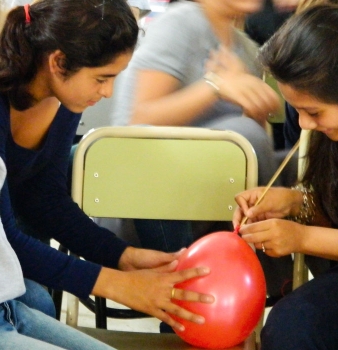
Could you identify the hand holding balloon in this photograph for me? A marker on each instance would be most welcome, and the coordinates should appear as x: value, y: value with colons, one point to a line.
x: 236, y: 281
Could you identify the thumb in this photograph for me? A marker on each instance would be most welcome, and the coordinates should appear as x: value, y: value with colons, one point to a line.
x: 171, y: 267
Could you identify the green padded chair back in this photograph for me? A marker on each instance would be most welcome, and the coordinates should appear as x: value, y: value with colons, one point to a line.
x: 162, y: 173
x: 176, y: 173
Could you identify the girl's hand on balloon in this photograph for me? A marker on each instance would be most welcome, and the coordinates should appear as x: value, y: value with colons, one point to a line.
x: 278, y: 202
x: 151, y: 291
x: 138, y: 258
x: 279, y: 237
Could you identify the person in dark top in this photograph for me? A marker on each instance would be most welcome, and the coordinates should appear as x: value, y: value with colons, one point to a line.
x: 291, y: 127
x: 261, y: 25
x: 302, y: 57
x: 57, y: 57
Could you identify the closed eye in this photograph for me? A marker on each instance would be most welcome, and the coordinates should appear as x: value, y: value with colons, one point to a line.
x: 101, y: 81
x: 314, y: 115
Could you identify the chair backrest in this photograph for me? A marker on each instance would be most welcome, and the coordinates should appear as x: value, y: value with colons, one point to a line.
x: 179, y: 173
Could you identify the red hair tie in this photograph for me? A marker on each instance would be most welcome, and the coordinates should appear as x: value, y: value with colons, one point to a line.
x: 28, y: 17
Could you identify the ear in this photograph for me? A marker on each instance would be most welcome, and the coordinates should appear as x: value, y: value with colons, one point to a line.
x: 56, y: 61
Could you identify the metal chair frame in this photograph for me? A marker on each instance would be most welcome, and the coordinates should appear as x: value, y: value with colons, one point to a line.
x: 100, y: 145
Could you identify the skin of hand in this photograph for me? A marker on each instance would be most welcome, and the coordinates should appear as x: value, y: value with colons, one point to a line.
x: 285, y: 5
x: 283, y: 237
x: 146, y: 284
x: 278, y: 202
x: 160, y: 100
x: 280, y: 237
x: 238, y: 86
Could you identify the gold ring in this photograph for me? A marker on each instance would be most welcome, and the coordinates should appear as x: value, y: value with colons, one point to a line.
x: 173, y: 293
x: 263, y: 248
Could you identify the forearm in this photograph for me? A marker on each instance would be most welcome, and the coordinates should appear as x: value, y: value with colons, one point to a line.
x: 179, y: 108
x: 320, y: 241
x: 103, y: 285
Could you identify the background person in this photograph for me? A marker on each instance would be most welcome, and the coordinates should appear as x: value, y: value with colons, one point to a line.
x: 209, y: 84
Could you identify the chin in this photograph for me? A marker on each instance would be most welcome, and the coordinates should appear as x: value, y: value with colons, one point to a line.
x: 333, y: 137
x: 76, y: 109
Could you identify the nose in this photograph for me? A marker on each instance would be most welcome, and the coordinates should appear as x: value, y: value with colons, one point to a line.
x: 306, y: 122
x: 106, y: 90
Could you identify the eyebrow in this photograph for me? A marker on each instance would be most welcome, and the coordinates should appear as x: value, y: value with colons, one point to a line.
x: 107, y: 75
x: 305, y: 108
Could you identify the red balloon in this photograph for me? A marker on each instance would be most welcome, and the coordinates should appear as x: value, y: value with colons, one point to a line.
x: 236, y: 281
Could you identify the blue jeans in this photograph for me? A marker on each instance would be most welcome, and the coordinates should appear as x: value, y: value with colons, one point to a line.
x: 24, y: 328
x: 38, y: 298
x: 306, y: 319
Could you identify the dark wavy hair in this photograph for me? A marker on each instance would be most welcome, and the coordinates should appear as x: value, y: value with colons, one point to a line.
x: 90, y: 33
x: 304, y: 55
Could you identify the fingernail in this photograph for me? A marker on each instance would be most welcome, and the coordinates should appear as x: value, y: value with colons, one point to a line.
x: 199, y: 319
x: 208, y: 299
x: 205, y: 270
x: 181, y: 328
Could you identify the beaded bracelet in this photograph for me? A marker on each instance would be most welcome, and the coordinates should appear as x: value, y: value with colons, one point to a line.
x: 308, y: 209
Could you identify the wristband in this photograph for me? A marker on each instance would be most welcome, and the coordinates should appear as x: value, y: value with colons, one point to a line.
x: 214, y: 81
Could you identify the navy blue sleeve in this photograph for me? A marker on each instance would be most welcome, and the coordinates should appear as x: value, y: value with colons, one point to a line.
x: 45, y: 264
x: 44, y: 202
x: 292, y: 129
x: 39, y: 261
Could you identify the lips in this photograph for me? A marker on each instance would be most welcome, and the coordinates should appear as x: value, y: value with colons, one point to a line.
x: 92, y: 103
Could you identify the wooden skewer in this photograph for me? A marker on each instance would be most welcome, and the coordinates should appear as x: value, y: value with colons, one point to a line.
x: 274, y: 177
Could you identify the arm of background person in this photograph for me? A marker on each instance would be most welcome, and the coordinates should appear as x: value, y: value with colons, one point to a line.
x: 160, y: 98
x: 285, y: 5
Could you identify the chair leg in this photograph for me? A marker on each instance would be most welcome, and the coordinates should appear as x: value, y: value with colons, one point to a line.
x: 57, y: 298
x: 300, y: 271
x: 101, y: 312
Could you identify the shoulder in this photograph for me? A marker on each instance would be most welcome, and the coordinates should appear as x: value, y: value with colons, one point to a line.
x: 174, y: 31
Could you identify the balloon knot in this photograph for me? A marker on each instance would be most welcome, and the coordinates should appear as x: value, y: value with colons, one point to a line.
x: 236, y: 231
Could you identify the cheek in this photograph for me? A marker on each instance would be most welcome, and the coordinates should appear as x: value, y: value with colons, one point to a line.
x: 306, y: 122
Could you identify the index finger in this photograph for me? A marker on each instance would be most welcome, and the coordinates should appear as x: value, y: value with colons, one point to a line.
x: 237, y: 217
x: 187, y: 274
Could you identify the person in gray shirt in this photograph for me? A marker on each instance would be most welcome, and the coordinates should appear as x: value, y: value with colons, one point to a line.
x: 194, y: 68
